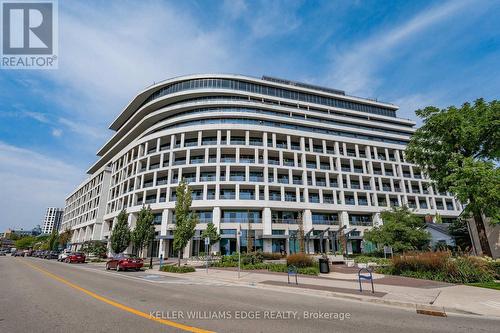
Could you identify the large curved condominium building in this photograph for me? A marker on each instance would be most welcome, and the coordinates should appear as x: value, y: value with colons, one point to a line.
x: 257, y: 154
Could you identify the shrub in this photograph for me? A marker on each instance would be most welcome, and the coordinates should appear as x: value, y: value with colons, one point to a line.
x: 177, y: 269
x: 251, y: 258
x: 367, y: 259
x: 299, y: 260
x: 314, y: 270
x: 440, y: 266
x: 426, y: 261
x: 271, y: 256
x: 495, y: 268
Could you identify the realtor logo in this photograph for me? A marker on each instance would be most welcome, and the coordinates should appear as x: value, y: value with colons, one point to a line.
x: 29, y: 37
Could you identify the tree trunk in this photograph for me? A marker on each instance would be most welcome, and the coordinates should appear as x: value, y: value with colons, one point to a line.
x: 179, y: 259
x: 481, y: 232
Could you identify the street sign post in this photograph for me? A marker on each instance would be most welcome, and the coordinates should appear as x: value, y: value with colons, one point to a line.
x: 207, y: 243
x: 239, y: 251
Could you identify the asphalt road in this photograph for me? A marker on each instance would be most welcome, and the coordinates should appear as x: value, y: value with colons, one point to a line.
x: 38, y: 295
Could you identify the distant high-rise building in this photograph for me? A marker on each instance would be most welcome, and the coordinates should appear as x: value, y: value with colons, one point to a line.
x: 52, y: 220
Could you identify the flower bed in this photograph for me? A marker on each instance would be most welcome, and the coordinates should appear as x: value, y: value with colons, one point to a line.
x: 440, y: 266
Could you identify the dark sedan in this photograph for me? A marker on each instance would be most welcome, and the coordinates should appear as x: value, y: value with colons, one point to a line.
x: 124, y: 262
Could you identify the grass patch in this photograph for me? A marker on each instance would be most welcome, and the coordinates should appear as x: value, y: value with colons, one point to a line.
x: 489, y: 285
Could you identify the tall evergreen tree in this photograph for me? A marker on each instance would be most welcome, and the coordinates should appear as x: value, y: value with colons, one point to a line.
x: 185, y: 219
x: 120, y: 236
x: 212, y: 233
x: 144, y: 230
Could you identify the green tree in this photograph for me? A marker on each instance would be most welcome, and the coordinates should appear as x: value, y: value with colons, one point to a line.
x: 25, y: 243
x: 95, y: 247
x: 144, y: 231
x: 459, y: 148
x: 402, y: 230
x: 212, y: 233
x: 300, y: 233
x: 65, y: 237
x: 185, y: 219
x: 53, y: 241
x: 120, y: 237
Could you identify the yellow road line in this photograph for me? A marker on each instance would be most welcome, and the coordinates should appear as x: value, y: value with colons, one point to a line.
x: 119, y: 305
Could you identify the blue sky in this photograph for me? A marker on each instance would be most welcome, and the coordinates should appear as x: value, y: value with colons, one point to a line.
x: 412, y: 53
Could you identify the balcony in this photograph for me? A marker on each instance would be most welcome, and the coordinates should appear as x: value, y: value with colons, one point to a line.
x: 255, y: 142
x: 238, y: 141
x: 154, y: 166
x: 191, y: 143
x: 314, y: 199
x: 209, y: 141
x: 290, y: 163
x: 362, y: 202
x: 237, y: 178
x: 285, y: 221
x: 283, y: 180
x: 324, y: 166
x: 148, y: 184
x: 320, y: 182
x: 273, y: 161
x: 196, y: 196
x: 247, y: 160
x: 212, y: 160
x: 274, y: 197
x: 208, y: 178
x: 241, y: 219
x: 361, y: 223
x: 324, y: 222
x: 180, y: 162
x: 228, y: 159
x: 290, y: 198
x: 164, y: 147
x: 346, y: 169
x: 328, y: 200
x: 247, y: 196
x: 295, y: 147
x: 297, y: 181
x: 197, y: 160
x: 281, y: 145
x: 311, y: 165
x: 228, y: 196
x: 256, y: 178
x: 211, y: 196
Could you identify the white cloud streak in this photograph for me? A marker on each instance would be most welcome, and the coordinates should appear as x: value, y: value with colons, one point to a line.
x: 355, y: 68
x: 31, y: 182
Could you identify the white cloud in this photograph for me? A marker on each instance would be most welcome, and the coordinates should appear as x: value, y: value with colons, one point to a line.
x: 354, y: 69
x: 265, y: 18
x: 108, y: 55
x: 56, y: 132
x: 87, y: 131
x: 31, y: 182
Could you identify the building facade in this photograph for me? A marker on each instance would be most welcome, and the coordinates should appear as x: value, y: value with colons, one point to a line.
x: 52, y: 220
x: 257, y: 154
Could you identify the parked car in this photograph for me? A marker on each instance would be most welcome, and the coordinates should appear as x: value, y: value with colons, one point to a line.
x: 77, y: 257
x: 63, y: 255
x: 42, y: 254
x: 124, y: 262
x: 18, y: 254
x: 52, y: 255
x: 2, y: 253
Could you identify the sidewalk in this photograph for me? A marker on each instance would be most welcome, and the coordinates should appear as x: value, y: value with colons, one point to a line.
x: 390, y: 290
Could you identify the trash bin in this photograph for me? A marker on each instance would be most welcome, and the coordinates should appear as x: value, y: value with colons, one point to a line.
x: 324, y: 266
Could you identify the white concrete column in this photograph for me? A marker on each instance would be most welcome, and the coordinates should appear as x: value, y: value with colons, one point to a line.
x: 344, y: 219
x: 267, y: 221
